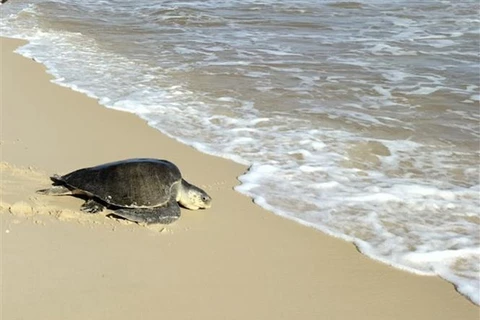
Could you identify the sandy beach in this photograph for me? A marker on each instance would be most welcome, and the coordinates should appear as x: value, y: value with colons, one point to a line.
x: 232, y: 261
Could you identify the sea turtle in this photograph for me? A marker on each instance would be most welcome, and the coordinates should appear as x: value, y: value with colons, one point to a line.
x: 140, y: 190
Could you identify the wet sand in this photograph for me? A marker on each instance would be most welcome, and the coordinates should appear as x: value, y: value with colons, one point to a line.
x: 233, y: 261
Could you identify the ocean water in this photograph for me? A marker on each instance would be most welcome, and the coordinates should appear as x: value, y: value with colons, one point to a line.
x: 360, y: 119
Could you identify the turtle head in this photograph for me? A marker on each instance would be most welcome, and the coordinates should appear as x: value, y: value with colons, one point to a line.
x: 192, y: 197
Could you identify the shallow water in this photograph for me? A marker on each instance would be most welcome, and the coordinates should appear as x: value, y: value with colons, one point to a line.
x: 359, y: 118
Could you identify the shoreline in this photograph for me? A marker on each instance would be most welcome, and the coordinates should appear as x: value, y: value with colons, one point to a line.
x: 211, y: 260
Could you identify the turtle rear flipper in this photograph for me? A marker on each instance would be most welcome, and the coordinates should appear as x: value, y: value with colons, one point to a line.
x: 162, y: 215
x: 57, y: 190
x: 92, y: 206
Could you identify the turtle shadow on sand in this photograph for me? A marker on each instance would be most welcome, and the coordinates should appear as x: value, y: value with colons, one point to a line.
x: 142, y: 190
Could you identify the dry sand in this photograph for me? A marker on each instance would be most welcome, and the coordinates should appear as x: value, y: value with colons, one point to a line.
x: 233, y: 261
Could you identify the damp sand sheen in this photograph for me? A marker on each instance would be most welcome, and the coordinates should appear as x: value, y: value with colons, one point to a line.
x: 233, y: 261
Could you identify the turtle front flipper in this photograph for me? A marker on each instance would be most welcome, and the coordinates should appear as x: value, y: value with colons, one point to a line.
x: 91, y: 206
x: 163, y: 215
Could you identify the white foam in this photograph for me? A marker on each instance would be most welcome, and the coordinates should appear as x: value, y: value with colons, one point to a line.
x: 475, y: 97
x: 441, y: 43
x: 384, y: 92
x: 381, y: 49
x: 377, y: 197
x: 327, y: 185
x: 279, y: 53
x: 395, y: 75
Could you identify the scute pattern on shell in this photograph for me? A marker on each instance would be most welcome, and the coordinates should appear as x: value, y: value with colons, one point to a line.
x: 130, y: 183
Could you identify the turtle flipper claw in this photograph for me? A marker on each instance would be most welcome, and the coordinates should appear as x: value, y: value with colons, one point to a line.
x: 91, y: 206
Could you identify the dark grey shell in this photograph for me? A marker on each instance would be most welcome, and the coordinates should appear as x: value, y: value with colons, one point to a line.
x: 133, y: 183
